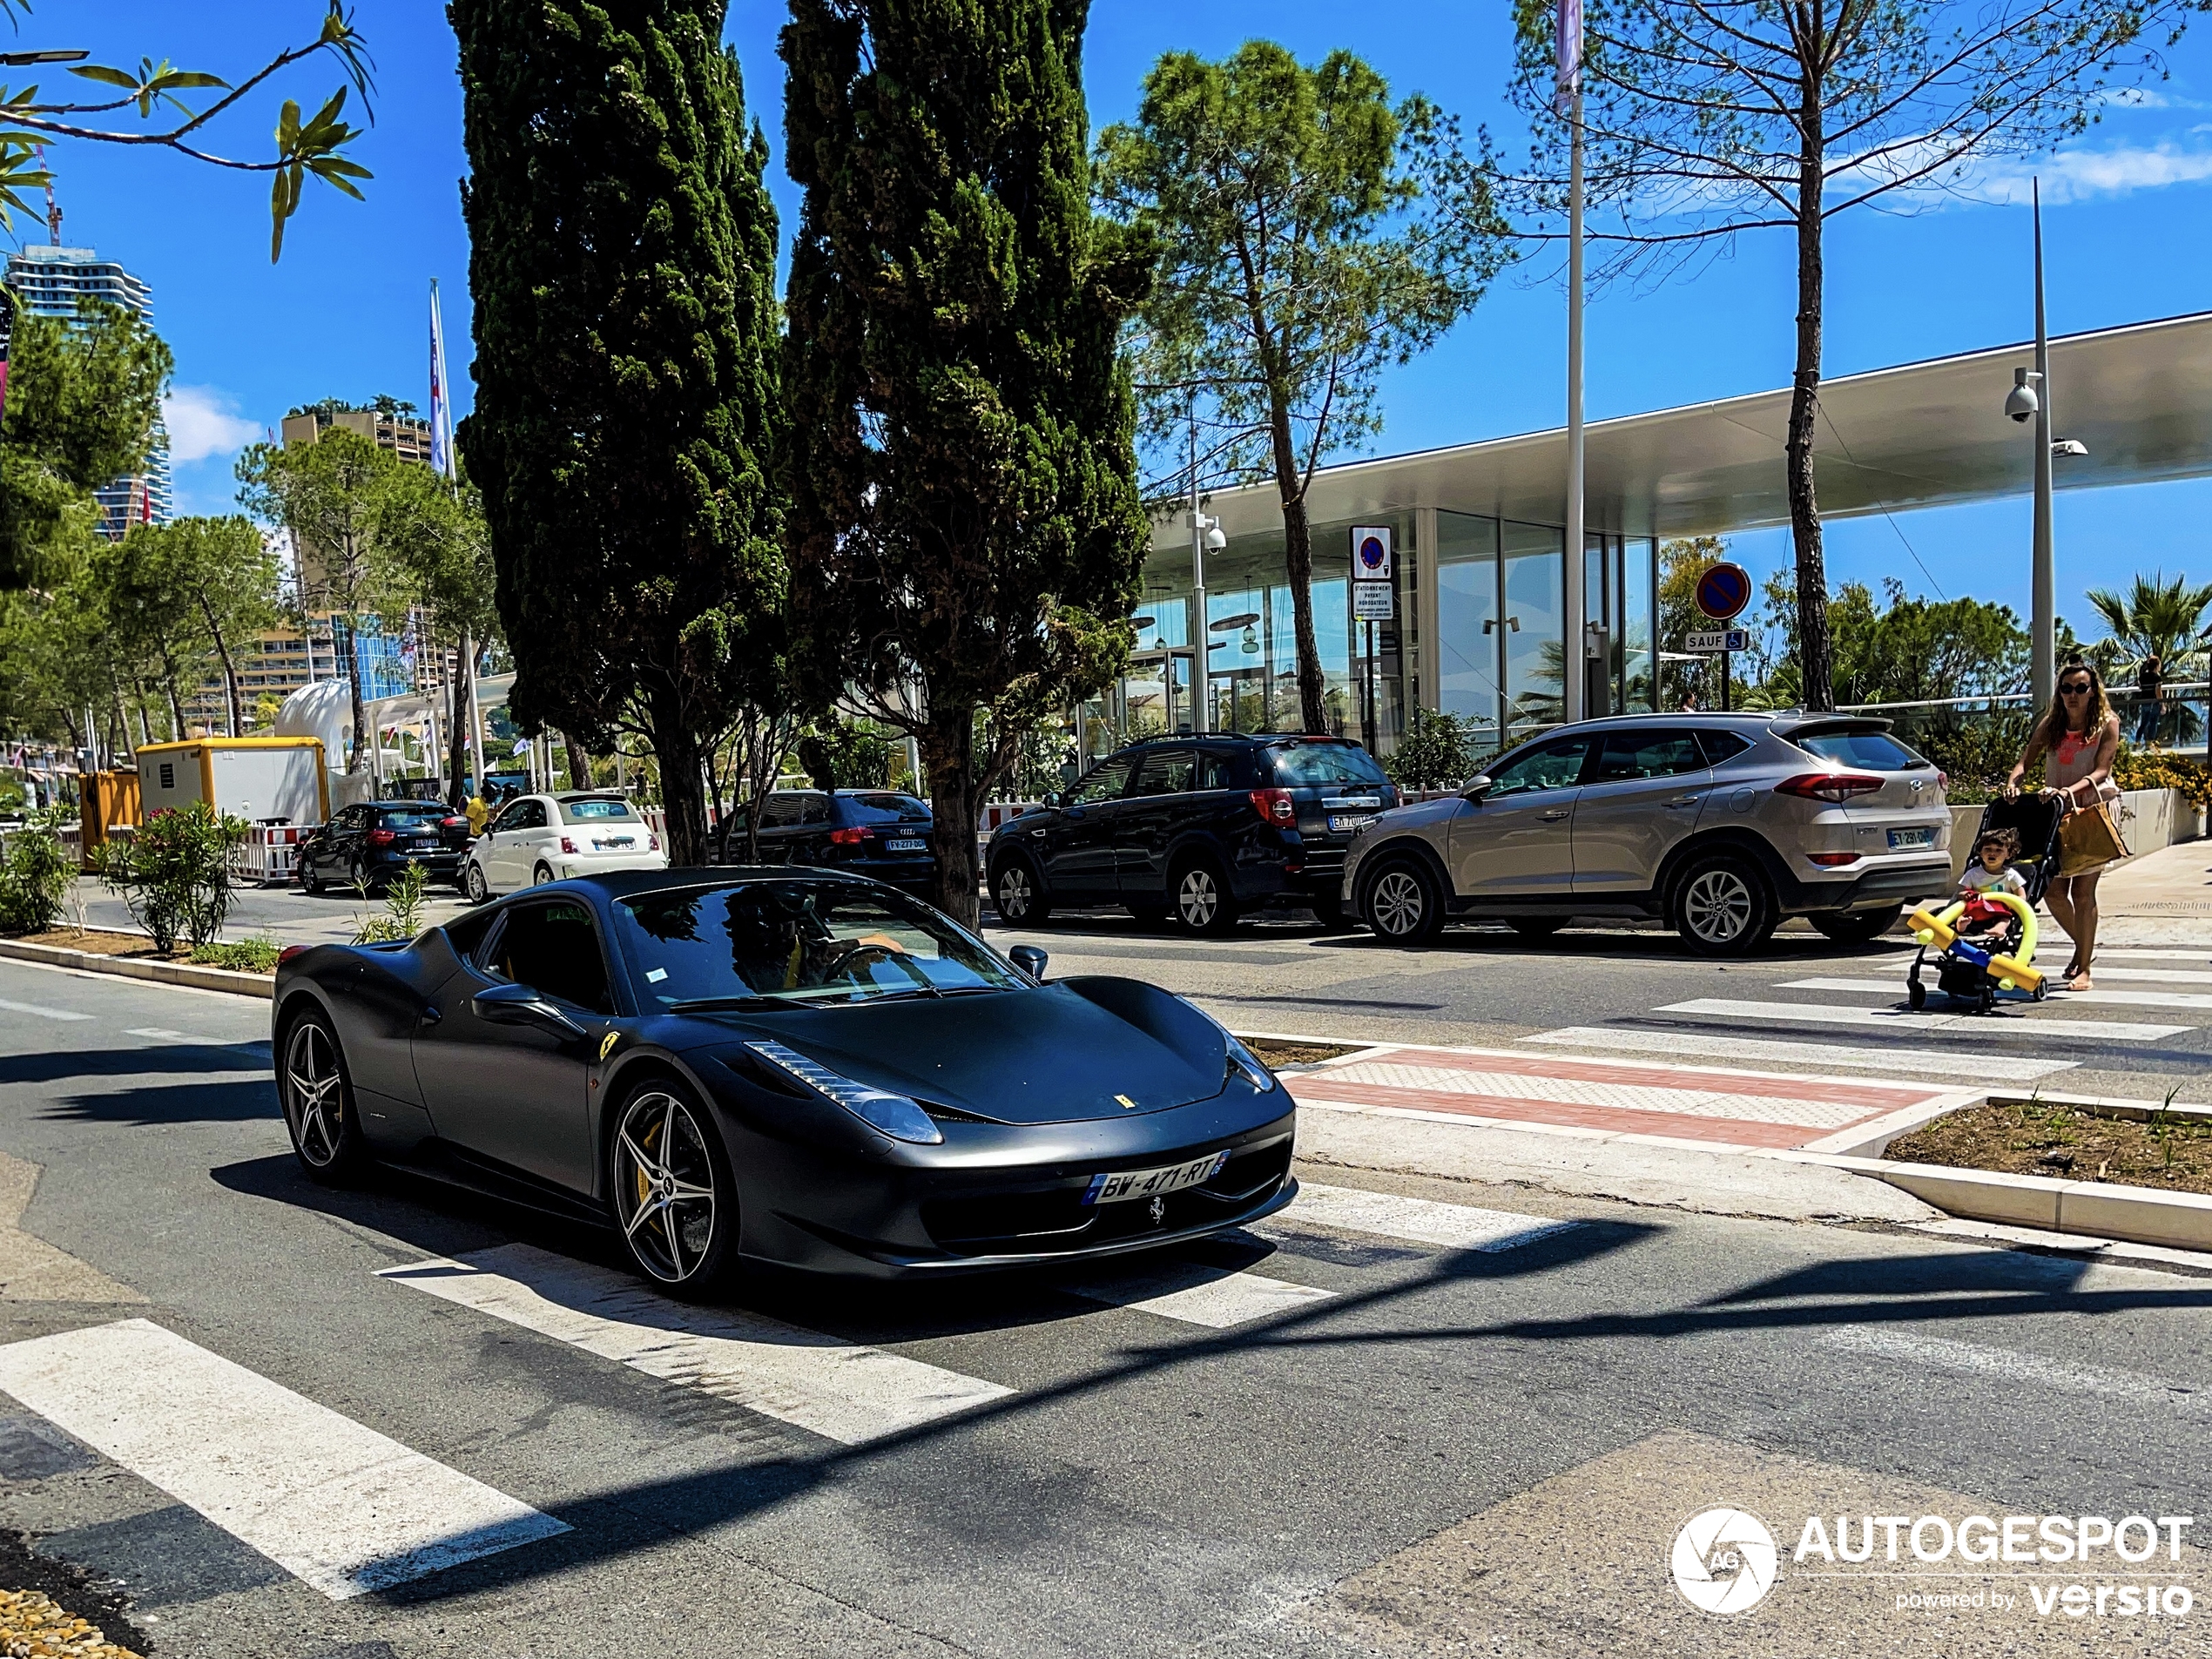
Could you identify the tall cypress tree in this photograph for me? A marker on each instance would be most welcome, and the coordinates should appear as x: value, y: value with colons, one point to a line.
x: 622, y: 259
x: 966, y: 532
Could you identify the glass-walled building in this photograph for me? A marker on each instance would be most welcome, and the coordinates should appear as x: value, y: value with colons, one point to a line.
x: 1480, y: 631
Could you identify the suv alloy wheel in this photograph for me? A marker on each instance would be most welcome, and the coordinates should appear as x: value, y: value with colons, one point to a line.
x: 1403, y: 905
x: 1723, y: 905
x: 1203, y: 904
x: 1019, y: 895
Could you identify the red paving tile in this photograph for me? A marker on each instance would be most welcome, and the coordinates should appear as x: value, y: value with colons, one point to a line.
x: 1877, y: 1097
x: 1731, y: 1131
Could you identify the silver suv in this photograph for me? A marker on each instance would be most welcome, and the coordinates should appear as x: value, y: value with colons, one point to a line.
x: 1723, y: 824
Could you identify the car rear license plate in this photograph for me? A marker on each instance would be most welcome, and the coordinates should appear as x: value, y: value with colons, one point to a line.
x: 614, y: 842
x: 1152, y: 1183
x: 906, y: 846
x: 1350, y: 821
x: 1899, y: 838
x: 430, y: 846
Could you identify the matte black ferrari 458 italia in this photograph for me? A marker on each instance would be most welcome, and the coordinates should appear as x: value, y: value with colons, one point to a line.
x: 813, y: 1069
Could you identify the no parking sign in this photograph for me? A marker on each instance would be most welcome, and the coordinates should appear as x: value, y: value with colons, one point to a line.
x: 1723, y: 590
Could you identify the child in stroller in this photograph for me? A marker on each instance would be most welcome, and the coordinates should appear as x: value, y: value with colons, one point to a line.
x: 1986, y: 940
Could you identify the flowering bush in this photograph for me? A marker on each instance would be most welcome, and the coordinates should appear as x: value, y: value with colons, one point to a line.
x: 2156, y: 769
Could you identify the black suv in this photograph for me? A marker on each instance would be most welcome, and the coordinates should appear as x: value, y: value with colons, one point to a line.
x: 1198, y: 829
x: 364, y: 846
x: 880, y: 832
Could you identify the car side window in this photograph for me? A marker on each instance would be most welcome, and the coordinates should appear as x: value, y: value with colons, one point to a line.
x: 1217, y: 771
x: 513, y: 818
x: 1553, y: 766
x: 554, y: 949
x: 813, y: 809
x: 1103, y: 782
x: 1642, y: 754
x: 1722, y: 745
x: 1166, y: 772
x: 780, y: 812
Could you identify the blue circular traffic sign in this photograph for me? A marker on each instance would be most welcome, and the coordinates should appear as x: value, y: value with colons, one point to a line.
x: 1371, y: 552
x: 1723, y: 590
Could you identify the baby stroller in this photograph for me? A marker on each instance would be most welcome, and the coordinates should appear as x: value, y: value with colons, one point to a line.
x: 1974, y: 969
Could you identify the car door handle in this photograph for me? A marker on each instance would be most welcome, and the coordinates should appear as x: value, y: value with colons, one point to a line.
x: 432, y: 1014
x: 1685, y: 800
x: 1554, y: 815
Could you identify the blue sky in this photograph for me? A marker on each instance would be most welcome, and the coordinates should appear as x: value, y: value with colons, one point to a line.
x: 2128, y: 238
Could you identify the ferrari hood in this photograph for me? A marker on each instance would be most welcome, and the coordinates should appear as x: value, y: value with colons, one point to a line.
x: 1076, y: 1050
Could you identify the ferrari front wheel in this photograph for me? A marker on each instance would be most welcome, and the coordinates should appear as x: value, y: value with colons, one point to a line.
x: 674, y: 1198
x: 318, y: 1096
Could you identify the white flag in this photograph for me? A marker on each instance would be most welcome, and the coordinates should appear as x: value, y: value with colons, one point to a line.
x: 1569, y: 36
x: 441, y: 409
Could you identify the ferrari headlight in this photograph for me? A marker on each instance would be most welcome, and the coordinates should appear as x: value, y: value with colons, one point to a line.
x: 1243, y: 1060
x: 897, y: 1116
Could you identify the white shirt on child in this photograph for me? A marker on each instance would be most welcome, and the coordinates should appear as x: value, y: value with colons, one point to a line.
x: 1979, y: 879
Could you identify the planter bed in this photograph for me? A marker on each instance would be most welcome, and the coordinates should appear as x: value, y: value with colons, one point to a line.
x: 1278, y: 1052
x: 2115, y: 1143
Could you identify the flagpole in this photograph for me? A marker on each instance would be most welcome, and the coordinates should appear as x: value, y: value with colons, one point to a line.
x: 442, y: 450
x: 1573, y: 671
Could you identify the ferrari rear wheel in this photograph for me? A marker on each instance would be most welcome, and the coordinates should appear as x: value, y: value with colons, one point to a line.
x: 674, y: 1199
x: 319, y: 1103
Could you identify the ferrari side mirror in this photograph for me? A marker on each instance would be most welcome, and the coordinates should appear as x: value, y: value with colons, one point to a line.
x: 1029, y: 959
x: 520, y: 1005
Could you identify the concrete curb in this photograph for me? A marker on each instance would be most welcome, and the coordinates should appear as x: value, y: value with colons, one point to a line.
x: 186, y: 973
x: 2141, y: 1215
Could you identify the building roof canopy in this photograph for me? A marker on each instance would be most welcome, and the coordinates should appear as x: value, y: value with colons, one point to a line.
x: 1925, y: 435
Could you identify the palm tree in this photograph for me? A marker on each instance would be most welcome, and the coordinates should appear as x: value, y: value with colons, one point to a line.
x: 2164, y: 619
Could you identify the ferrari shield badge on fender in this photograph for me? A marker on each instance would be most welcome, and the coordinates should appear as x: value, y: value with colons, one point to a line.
x: 1126, y: 1102
x: 607, y: 1047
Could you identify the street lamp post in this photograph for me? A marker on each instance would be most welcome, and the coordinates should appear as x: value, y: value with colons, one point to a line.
x: 2030, y: 399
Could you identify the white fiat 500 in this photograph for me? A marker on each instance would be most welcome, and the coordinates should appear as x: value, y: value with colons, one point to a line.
x: 549, y: 838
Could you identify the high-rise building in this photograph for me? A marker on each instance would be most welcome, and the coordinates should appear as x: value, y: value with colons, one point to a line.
x: 48, y: 281
x: 405, y: 436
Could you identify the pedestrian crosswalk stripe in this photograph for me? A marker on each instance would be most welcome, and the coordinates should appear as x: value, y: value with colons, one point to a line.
x: 337, y: 1505
x: 2018, y: 1028
x: 2148, y: 976
x: 1929, y: 1061
x: 1975, y: 1358
x: 839, y: 1390
x: 1421, y: 1221
x: 41, y: 1010
x: 2109, y: 999
x: 2129, y: 954
x: 1196, y: 1294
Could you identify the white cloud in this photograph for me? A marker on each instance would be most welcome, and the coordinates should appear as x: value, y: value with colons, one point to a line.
x: 204, y: 421
x: 2083, y: 175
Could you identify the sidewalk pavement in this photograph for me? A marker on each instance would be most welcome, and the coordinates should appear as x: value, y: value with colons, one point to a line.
x: 2162, y: 898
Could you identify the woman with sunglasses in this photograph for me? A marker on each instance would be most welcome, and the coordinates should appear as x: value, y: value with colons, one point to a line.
x: 2077, y: 739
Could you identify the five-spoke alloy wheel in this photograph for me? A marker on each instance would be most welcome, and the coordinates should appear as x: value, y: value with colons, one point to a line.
x: 1724, y: 907
x: 1403, y: 905
x: 317, y: 1102
x: 673, y: 1193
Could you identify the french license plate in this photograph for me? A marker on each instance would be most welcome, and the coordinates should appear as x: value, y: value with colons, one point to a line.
x: 1911, y: 838
x: 906, y: 846
x: 430, y: 846
x: 1350, y: 820
x: 1150, y: 1184
x: 613, y: 842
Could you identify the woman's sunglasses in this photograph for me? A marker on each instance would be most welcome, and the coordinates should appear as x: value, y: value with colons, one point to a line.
x: 2074, y: 690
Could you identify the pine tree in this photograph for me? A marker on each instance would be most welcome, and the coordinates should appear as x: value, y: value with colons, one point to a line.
x: 967, y: 533
x: 622, y: 260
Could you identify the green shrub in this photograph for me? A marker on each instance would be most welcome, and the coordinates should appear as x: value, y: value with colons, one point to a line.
x: 255, y: 955
x: 402, y: 917
x: 1437, y: 751
x: 35, y: 874
x: 173, y: 872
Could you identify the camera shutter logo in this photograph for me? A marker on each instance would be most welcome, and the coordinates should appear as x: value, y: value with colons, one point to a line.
x: 1724, y: 1560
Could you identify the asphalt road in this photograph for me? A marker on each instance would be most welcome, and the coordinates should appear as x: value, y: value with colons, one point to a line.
x: 1377, y: 1444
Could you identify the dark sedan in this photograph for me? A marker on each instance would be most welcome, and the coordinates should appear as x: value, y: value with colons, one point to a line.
x: 364, y: 846
x: 805, y: 1069
x: 878, y: 832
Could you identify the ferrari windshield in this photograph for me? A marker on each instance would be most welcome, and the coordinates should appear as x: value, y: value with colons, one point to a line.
x: 796, y: 941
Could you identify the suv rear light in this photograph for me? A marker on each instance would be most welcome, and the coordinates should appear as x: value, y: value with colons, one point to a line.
x: 567, y: 844
x: 382, y: 838
x: 1275, y: 806
x: 1943, y: 780
x: 1835, y: 787
x: 849, y: 837
x: 1832, y: 860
